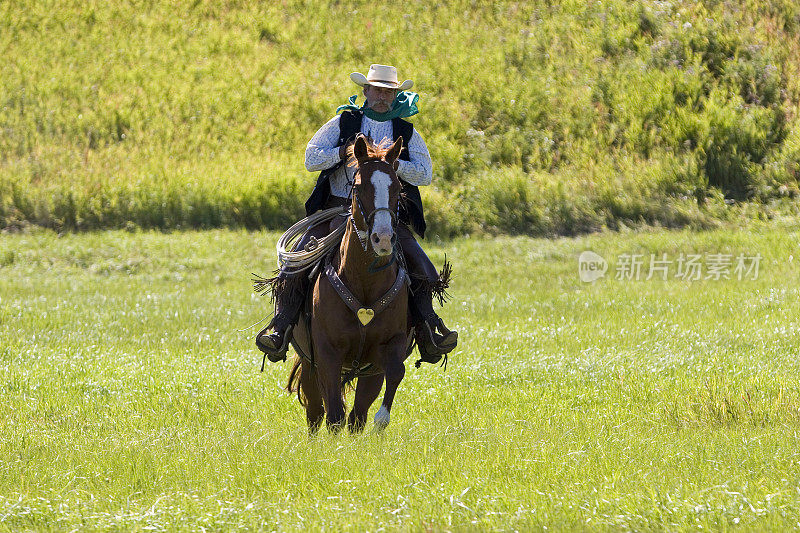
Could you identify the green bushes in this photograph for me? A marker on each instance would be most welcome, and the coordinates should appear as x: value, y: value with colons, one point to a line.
x: 736, y: 146
x: 541, y: 118
x: 269, y: 201
x: 609, y: 195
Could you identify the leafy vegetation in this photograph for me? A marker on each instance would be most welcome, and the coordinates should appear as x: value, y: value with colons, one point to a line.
x: 542, y: 117
x: 132, y: 398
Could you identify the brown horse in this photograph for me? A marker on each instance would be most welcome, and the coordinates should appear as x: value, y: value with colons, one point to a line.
x: 359, y: 322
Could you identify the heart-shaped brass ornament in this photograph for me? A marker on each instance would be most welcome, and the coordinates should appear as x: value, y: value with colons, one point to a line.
x: 365, y: 315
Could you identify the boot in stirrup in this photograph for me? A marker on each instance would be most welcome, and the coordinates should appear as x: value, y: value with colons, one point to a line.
x: 275, y: 344
x: 435, y: 340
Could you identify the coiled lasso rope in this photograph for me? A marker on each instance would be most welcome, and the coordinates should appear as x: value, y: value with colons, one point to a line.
x: 299, y: 260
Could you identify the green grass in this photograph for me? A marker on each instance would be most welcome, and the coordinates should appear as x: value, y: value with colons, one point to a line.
x: 195, y: 114
x: 132, y: 398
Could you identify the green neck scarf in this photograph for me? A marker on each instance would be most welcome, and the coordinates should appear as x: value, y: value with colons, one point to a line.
x: 404, y: 105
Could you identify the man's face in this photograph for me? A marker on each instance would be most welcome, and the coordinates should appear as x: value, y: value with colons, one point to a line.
x: 379, y: 99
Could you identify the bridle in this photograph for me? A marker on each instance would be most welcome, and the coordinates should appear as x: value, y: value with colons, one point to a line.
x: 365, y: 234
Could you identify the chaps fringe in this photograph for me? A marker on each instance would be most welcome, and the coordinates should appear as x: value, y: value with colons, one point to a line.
x: 438, y: 288
x: 281, y: 283
x: 272, y: 286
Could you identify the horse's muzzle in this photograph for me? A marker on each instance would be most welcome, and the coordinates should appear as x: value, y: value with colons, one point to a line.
x: 382, y: 243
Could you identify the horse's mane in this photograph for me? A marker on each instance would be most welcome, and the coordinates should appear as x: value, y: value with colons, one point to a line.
x: 374, y: 150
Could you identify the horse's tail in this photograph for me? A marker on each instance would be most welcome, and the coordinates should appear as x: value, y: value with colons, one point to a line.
x: 293, y: 384
x: 347, y: 386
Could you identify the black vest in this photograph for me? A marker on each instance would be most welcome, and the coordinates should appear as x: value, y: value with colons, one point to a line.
x: 349, y: 126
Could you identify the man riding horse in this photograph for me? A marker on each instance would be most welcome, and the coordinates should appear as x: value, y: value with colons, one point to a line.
x: 381, y: 117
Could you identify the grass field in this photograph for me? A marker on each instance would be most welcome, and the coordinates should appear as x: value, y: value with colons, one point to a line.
x: 132, y: 398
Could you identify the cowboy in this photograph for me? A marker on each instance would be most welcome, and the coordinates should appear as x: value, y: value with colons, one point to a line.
x: 381, y: 117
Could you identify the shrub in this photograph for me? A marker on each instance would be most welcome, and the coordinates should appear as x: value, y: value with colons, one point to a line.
x: 738, y: 142
x: 510, y: 202
x: 551, y: 118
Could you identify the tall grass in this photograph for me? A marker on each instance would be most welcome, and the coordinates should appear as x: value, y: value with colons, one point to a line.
x: 196, y: 114
x: 132, y: 398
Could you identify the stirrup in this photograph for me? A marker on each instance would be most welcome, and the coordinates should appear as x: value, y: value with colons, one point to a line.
x: 431, y: 351
x: 426, y: 357
x: 274, y: 353
x: 444, y: 343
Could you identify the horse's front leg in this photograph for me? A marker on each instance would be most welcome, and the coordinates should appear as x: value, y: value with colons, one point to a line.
x: 394, y: 370
x: 367, y: 390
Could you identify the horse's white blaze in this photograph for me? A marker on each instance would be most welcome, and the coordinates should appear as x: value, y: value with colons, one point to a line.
x: 382, y: 225
x: 382, y: 417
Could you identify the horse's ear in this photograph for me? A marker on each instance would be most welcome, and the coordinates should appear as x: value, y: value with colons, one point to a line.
x: 360, y: 148
x: 394, y: 152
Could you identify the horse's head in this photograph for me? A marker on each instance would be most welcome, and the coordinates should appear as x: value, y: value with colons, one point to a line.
x: 376, y: 193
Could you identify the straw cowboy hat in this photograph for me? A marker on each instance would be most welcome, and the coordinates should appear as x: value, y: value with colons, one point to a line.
x: 381, y: 76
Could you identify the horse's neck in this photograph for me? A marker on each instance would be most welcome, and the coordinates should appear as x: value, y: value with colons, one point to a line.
x: 354, y: 264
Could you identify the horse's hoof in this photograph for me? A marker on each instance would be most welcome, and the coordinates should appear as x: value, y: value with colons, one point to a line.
x: 382, y: 418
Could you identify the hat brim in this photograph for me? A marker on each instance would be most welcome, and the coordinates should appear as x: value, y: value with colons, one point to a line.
x: 360, y: 79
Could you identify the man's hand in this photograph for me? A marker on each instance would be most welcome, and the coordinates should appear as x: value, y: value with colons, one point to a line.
x: 343, y: 151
